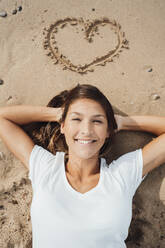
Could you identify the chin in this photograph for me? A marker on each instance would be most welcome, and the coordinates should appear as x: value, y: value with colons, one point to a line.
x: 86, y: 154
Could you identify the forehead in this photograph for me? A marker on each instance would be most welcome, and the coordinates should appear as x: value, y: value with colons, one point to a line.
x: 85, y: 106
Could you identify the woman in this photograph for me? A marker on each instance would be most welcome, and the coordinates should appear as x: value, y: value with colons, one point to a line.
x: 78, y: 200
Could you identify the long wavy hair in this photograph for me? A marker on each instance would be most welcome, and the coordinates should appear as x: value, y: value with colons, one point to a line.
x: 48, y: 135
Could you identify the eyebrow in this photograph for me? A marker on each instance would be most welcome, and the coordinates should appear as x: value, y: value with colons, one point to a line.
x: 98, y: 115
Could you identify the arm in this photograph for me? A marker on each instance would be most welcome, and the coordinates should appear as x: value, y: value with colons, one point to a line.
x: 23, y: 114
x: 154, y: 151
x: 16, y: 140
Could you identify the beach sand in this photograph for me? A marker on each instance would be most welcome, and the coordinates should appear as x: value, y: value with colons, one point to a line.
x: 44, y: 49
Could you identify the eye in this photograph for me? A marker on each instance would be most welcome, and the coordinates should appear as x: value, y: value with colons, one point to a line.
x: 76, y: 119
x: 97, y: 121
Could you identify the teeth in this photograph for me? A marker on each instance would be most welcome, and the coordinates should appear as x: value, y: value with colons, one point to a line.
x: 84, y: 141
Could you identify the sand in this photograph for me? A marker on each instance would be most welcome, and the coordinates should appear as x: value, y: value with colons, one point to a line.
x: 52, y: 45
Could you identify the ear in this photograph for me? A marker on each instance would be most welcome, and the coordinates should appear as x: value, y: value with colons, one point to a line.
x: 62, y: 127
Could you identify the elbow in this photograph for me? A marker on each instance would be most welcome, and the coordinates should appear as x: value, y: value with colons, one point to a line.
x: 2, y: 112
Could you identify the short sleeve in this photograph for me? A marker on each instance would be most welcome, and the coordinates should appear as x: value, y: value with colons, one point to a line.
x: 40, y: 163
x: 129, y: 168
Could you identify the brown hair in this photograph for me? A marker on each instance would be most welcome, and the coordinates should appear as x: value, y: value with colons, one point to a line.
x: 48, y: 135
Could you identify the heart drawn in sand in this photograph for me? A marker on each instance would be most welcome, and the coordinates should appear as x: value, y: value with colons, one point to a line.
x: 51, y: 45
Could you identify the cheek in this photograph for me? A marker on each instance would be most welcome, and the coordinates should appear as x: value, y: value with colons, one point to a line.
x: 69, y: 132
x: 102, y: 131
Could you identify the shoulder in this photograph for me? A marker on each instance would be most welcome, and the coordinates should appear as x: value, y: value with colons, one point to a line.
x: 42, y: 162
x: 40, y: 151
x: 128, y: 157
x: 41, y: 157
x: 127, y: 170
x: 127, y: 163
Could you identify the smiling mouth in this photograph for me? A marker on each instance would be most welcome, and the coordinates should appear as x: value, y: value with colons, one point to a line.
x: 85, y: 142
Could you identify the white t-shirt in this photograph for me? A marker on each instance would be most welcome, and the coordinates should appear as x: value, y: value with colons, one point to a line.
x: 65, y: 218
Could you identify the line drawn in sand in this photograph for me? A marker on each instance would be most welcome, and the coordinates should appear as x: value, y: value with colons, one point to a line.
x: 89, y: 27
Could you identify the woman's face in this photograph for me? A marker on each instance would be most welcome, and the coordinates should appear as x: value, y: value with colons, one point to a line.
x: 85, y: 128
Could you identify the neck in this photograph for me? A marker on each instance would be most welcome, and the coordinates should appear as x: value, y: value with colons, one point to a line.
x: 82, y: 169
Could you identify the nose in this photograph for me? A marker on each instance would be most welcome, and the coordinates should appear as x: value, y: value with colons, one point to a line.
x: 86, y: 128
